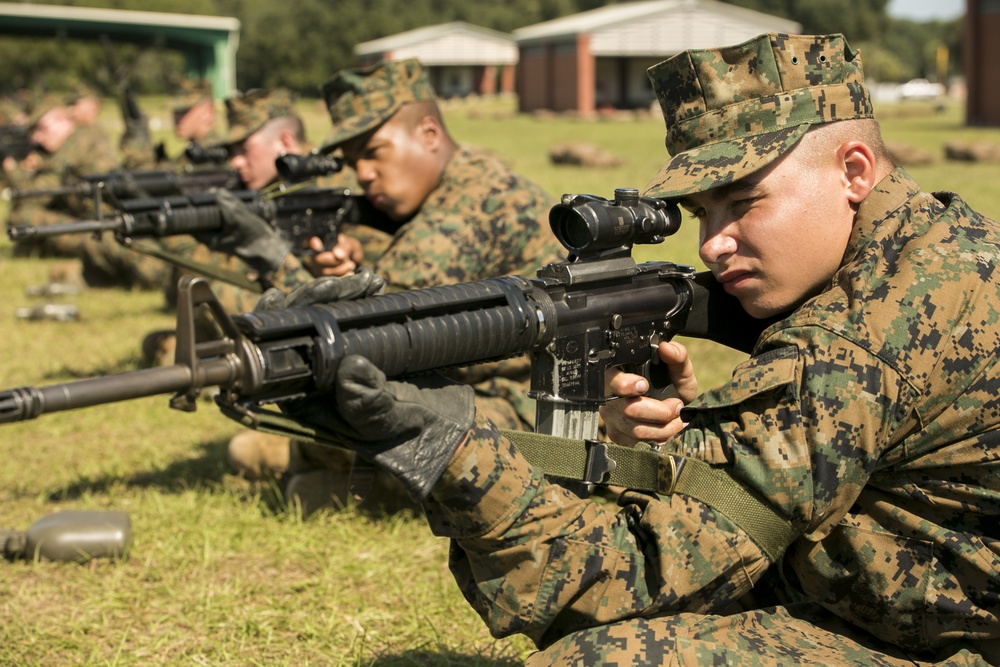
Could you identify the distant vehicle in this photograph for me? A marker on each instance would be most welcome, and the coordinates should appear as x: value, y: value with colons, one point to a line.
x: 920, y: 89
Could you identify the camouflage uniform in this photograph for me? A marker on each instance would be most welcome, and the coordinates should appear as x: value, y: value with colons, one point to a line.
x: 86, y: 151
x: 482, y: 221
x: 866, y: 417
x: 105, y: 262
x: 246, y: 114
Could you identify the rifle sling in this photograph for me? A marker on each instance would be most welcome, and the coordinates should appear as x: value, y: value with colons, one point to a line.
x: 643, y: 469
x: 226, y: 276
x: 605, y: 463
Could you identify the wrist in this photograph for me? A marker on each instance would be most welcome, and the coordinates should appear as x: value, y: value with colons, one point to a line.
x: 486, y: 482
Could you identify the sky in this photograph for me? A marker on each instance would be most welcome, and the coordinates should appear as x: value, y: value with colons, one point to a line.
x: 926, y: 10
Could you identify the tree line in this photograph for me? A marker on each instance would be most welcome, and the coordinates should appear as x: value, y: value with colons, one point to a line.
x: 300, y: 44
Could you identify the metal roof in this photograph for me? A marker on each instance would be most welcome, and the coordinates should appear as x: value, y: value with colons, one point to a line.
x: 23, y: 18
x: 446, y: 44
x: 210, y: 42
x: 629, y: 16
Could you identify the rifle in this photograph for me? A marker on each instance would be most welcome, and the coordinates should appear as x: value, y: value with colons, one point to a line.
x: 297, y: 215
x: 136, y: 122
x: 298, y: 168
x: 217, y: 154
x: 119, y: 185
x: 15, y: 142
x: 595, y: 310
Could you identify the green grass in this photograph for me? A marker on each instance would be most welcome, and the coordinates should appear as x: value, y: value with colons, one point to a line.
x: 221, y: 572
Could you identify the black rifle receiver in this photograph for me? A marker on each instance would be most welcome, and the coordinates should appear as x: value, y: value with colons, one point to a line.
x: 15, y: 142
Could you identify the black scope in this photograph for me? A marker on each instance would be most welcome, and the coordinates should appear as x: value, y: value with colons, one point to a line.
x: 588, y: 223
x: 295, y: 168
x: 218, y: 154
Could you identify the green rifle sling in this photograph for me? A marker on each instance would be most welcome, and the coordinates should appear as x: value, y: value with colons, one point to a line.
x: 643, y: 469
x: 213, y: 272
x: 634, y: 468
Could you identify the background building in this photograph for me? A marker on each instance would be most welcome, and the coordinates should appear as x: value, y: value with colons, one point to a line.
x: 208, y: 43
x: 981, y: 62
x: 461, y: 59
x: 598, y: 59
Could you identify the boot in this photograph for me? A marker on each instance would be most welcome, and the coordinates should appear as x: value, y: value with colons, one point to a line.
x: 257, y: 455
x: 317, y: 489
x: 158, y: 347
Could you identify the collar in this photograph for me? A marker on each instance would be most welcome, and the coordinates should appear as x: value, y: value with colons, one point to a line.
x: 886, y: 198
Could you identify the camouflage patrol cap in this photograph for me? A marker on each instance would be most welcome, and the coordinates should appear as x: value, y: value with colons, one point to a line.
x: 363, y: 98
x: 247, y: 112
x: 190, y: 92
x: 734, y: 110
x: 79, y: 91
x: 44, y: 103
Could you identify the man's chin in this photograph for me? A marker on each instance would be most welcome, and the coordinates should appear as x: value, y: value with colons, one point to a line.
x: 759, y: 310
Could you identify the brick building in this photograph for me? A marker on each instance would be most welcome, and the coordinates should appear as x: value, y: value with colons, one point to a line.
x: 598, y: 59
x: 981, y: 62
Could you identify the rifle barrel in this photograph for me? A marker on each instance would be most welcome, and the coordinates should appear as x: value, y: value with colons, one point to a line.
x: 26, y: 403
x: 19, y: 232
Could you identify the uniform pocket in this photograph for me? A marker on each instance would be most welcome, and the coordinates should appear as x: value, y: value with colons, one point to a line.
x: 742, y: 409
x: 877, y: 580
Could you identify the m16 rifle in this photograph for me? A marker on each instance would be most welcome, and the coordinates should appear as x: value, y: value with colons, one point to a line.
x: 119, y: 185
x: 297, y: 215
x: 217, y: 154
x: 15, y: 142
x: 596, y: 310
x: 298, y: 168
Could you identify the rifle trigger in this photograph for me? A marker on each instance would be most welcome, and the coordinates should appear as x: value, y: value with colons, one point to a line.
x: 599, y: 465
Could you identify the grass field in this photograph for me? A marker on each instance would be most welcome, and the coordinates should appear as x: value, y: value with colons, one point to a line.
x: 220, y: 571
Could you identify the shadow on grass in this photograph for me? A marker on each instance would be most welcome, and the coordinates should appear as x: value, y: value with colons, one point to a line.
x: 441, y: 659
x: 206, y: 470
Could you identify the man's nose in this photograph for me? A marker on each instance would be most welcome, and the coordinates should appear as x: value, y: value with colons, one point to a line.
x: 717, y: 241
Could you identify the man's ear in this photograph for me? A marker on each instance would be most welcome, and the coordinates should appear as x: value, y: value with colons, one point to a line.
x: 288, y: 142
x: 860, y: 169
x: 430, y: 132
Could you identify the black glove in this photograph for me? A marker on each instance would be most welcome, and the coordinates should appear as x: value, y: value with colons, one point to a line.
x: 246, y: 235
x: 411, y: 429
x: 363, y: 282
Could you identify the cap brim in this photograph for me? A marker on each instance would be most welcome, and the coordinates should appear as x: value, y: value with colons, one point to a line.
x: 237, y: 137
x: 720, y: 163
x: 355, y: 126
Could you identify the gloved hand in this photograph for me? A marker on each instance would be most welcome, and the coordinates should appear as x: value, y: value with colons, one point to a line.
x: 246, y: 235
x: 411, y: 428
x: 363, y: 282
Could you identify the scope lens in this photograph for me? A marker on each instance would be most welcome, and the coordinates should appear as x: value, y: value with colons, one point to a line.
x: 570, y: 227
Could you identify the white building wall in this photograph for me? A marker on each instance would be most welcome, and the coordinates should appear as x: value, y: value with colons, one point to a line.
x: 677, y: 30
x: 459, y: 49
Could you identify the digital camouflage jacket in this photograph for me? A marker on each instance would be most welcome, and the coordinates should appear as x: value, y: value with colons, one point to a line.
x: 869, y: 417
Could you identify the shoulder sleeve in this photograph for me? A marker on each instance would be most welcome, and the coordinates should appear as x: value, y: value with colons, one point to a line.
x: 790, y: 424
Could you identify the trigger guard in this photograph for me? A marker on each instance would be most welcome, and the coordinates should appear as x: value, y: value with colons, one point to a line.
x: 660, y: 386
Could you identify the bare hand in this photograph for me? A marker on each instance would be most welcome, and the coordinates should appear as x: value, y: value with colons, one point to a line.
x: 635, y: 417
x: 340, y: 260
x: 31, y: 163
